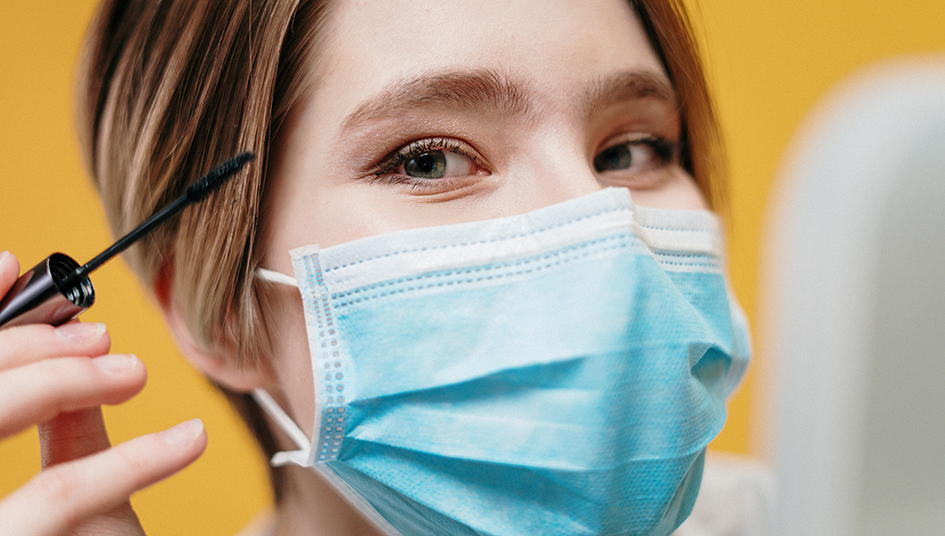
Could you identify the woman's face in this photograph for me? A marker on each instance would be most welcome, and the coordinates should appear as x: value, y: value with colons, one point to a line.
x: 429, y: 112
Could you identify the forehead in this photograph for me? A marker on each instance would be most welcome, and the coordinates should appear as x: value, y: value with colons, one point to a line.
x: 556, y: 46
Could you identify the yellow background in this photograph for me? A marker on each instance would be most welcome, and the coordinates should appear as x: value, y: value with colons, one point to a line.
x: 769, y: 61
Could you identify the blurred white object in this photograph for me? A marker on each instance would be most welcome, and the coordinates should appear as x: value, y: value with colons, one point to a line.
x: 856, y: 311
x: 736, y: 498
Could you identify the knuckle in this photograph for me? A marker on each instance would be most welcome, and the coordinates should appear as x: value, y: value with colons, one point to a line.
x: 63, y: 380
x: 20, y: 340
x: 56, y: 486
x: 134, y: 461
x: 50, y: 369
x: 33, y: 335
x: 58, y: 372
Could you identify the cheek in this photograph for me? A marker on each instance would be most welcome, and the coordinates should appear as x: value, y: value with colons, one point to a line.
x: 289, y: 355
x: 679, y: 191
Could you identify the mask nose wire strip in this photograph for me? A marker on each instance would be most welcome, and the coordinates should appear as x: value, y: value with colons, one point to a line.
x: 277, y: 277
x: 285, y: 422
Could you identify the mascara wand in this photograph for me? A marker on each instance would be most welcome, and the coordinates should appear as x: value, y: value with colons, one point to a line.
x: 58, y: 289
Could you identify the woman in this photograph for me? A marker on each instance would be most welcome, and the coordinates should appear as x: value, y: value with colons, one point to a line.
x: 536, y: 401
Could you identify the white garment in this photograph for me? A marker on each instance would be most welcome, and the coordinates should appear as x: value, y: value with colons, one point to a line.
x: 736, y: 499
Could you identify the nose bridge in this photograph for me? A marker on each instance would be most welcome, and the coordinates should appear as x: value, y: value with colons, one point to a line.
x: 556, y: 170
x: 567, y: 182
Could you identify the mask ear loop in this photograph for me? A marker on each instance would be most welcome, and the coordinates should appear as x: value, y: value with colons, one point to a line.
x: 271, y: 407
x: 277, y: 277
x: 301, y: 457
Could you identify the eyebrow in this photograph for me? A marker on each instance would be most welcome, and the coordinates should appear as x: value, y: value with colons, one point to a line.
x: 625, y: 86
x: 466, y: 89
x: 490, y: 90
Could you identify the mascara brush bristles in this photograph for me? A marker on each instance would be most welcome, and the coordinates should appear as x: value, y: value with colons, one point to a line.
x: 212, y: 180
x: 197, y: 191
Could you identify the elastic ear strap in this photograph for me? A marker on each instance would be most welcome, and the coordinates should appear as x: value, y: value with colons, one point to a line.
x: 277, y: 277
x: 271, y: 407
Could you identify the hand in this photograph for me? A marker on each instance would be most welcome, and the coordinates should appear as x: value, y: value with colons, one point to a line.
x: 58, y: 378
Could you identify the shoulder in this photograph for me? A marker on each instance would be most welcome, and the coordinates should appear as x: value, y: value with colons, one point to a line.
x: 736, y: 498
x: 261, y: 525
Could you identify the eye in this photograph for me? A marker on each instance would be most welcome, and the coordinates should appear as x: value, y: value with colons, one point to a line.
x: 636, y: 154
x: 431, y: 160
x: 436, y: 165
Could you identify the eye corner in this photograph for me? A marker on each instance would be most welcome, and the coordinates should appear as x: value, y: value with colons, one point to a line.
x: 630, y: 152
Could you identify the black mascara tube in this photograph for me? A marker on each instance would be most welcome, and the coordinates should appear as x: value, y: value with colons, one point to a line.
x: 43, y: 296
x: 57, y: 290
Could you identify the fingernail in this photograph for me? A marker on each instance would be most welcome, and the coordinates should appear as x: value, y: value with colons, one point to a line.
x: 80, y: 331
x: 116, y: 362
x: 3, y: 257
x: 183, y: 434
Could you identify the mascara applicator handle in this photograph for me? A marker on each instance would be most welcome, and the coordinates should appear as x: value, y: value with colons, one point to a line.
x: 43, y: 296
x: 57, y: 290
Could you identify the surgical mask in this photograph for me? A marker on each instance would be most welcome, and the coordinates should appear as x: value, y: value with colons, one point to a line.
x: 557, y: 372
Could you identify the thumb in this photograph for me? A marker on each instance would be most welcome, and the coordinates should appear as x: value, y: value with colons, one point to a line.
x: 73, y: 435
x: 77, y: 434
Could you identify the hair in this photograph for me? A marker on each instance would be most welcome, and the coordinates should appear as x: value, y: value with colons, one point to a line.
x: 670, y: 32
x: 167, y: 89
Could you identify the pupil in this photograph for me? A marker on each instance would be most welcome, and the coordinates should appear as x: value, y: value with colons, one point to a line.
x: 613, y: 158
x: 430, y: 165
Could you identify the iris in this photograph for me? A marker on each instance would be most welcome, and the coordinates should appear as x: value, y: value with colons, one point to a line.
x: 613, y: 158
x: 431, y: 165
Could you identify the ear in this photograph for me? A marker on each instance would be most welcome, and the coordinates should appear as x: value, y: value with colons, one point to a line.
x: 217, y: 365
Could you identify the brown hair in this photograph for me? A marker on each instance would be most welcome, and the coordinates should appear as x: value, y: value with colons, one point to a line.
x: 167, y: 89
x: 670, y: 32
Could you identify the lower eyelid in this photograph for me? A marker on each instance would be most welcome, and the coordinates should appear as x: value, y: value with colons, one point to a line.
x: 428, y: 187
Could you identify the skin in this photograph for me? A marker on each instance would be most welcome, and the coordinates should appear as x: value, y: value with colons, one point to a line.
x: 58, y: 378
x: 549, y: 85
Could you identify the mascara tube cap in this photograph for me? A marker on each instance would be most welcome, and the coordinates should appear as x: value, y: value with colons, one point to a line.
x: 40, y: 297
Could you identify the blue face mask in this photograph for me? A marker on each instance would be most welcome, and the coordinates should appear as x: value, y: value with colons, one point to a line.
x: 558, y: 372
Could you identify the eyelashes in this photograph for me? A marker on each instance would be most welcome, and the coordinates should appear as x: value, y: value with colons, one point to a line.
x: 635, y: 153
x: 431, y: 159
x: 438, y: 163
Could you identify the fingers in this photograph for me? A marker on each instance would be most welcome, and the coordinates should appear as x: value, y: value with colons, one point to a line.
x: 58, y: 378
x: 74, y: 435
x: 9, y: 271
x: 64, y: 495
x: 46, y: 370
x: 37, y: 392
x: 27, y: 344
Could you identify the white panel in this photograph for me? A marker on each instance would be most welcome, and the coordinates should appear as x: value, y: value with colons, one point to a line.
x: 856, y: 292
